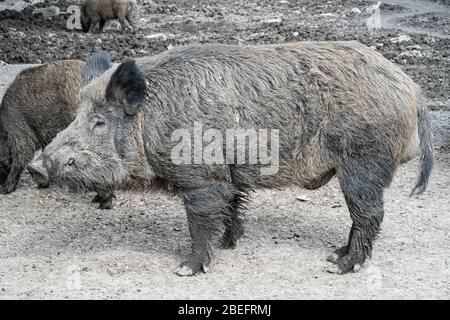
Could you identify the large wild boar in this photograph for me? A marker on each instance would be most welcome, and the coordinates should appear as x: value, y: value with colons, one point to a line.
x: 39, y: 103
x: 95, y: 13
x: 340, y: 109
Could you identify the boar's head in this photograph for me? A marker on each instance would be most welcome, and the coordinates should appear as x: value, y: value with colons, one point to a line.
x: 102, y: 148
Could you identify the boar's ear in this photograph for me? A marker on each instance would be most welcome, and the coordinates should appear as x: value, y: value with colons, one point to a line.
x: 95, y: 66
x: 127, y: 87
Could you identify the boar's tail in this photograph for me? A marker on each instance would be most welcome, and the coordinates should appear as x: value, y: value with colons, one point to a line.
x: 426, y: 148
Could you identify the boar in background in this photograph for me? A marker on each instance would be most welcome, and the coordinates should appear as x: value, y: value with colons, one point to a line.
x: 39, y: 103
x: 95, y: 13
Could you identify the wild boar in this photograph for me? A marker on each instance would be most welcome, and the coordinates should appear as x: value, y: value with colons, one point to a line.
x: 338, y: 108
x: 36, y: 106
x: 95, y: 13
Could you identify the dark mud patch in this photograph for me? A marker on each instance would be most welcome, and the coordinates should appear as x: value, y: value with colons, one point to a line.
x: 28, y: 38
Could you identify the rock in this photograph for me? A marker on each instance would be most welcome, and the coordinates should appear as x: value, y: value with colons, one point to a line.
x: 20, y: 34
x: 273, y: 21
x: 329, y: 14
x: 13, y: 5
x: 156, y: 36
x: 2, y: 63
x: 302, y: 199
x: 356, y: 10
x: 150, y: 3
x: 412, y: 53
x: 400, y: 39
x: 48, y: 12
x: 163, y: 36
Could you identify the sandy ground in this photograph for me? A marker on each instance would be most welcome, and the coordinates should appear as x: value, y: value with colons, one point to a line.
x: 55, y: 245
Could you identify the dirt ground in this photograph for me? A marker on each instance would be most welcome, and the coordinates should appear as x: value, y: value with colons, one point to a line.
x: 55, y: 245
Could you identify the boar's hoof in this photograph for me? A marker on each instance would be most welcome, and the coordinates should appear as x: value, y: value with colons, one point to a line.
x: 333, y: 258
x: 43, y: 185
x: 336, y: 270
x: 105, y: 205
x: 230, y: 237
x: 7, y: 187
x: 191, y: 267
x: 104, y: 201
x: 227, y: 242
x: 337, y: 254
x: 347, y: 263
x: 97, y: 198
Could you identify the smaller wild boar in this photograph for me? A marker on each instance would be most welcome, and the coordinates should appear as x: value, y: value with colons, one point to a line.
x: 38, y: 104
x: 96, y: 12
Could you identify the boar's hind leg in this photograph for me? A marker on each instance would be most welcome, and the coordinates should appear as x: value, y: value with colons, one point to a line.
x: 205, y: 209
x: 125, y: 24
x: 362, y: 183
x: 104, y: 199
x: 131, y: 23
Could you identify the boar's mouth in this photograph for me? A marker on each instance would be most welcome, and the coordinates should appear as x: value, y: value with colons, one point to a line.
x: 107, y: 177
x: 78, y: 180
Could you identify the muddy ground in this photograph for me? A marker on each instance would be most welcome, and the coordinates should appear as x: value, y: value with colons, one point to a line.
x: 55, y: 245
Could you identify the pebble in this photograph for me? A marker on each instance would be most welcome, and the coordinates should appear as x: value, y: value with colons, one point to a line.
x: 329, y: 14
x: 400, y: 39
x: 156, y: 36
x: 302, y: 198
x: 273, y: 21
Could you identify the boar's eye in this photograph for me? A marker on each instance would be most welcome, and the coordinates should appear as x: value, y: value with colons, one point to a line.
x: 99, y: 126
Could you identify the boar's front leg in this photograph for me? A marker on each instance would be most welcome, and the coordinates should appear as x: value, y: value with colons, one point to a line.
x: 205, y: 207
x: 104, y: 199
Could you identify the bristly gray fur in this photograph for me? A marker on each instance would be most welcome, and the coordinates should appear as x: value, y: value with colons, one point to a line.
x: 341, y: 109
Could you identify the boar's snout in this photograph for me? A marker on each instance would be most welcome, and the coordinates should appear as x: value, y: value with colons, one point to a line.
x: 39, y: 173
